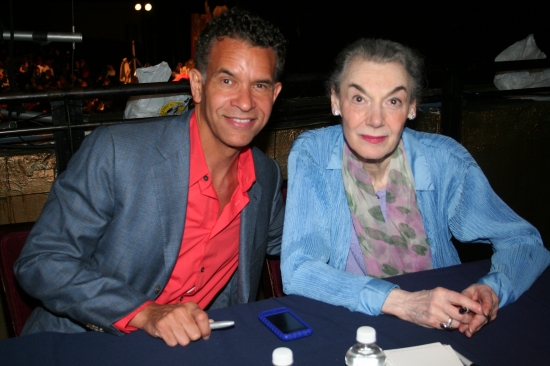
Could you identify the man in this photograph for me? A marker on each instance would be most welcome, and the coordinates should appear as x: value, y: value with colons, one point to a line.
x: 153, y: 222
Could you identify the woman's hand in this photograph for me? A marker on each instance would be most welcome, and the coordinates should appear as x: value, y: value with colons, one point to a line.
x: 488, y: 300
x: 432, y: 308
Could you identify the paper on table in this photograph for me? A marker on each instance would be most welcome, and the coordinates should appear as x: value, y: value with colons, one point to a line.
x: 433, y: 354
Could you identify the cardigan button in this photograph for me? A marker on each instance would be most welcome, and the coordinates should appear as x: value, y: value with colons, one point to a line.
x: 157, y: 289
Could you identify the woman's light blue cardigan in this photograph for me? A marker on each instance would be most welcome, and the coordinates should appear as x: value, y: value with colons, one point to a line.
x: 453, y: 195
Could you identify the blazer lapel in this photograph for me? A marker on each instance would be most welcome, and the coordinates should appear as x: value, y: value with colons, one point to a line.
x: 246, y: 247
x: 170, y: 186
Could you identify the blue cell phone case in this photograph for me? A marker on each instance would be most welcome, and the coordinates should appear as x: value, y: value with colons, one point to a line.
x: 285, y: 324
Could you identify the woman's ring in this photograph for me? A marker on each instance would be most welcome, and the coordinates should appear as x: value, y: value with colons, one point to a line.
x: 447, y: 326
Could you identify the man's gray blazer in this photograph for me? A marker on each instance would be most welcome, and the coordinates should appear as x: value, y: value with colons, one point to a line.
x: 111, y: 229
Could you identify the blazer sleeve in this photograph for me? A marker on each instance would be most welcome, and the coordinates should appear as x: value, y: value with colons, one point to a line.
x: 59, y: 263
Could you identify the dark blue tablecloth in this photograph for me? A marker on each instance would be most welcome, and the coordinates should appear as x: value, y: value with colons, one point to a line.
x: 519, y: 336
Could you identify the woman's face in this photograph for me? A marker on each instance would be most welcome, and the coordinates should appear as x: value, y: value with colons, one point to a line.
x: 374, y: 103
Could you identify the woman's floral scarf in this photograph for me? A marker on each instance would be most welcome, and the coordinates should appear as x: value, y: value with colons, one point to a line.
x: 399, y: 245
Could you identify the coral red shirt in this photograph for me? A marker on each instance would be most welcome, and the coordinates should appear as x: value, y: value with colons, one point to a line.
x: 209, y: 252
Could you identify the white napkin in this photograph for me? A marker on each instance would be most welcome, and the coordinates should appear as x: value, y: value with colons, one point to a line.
x: 433, y: 354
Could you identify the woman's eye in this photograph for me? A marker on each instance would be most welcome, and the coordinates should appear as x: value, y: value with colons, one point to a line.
x: 395, y: 101
x: 358, y: 99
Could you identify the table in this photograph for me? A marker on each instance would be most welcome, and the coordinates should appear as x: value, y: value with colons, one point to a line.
x: 519, y: 336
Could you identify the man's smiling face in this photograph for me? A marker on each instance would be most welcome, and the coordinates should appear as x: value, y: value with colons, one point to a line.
x: 235, y: 100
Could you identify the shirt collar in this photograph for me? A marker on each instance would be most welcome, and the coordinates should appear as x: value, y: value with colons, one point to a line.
x: 417, y: 160
x: 335, y: 161
x: 247, y: 172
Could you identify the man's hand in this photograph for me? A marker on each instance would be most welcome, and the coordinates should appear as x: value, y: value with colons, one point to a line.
x: 488, y: 299
x: 176, y: 324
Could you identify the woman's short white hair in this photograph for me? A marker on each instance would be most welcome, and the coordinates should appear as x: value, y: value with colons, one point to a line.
x: 379, y: 51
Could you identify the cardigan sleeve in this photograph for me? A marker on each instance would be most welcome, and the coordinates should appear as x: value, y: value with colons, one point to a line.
x: 316, y: 235
x: 477, y: 214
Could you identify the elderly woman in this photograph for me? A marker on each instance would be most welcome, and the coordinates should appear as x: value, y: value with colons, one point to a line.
x: 370, y: 199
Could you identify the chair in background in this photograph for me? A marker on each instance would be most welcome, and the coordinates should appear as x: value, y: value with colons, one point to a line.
x: 273, y: 276
x: 20, y: 305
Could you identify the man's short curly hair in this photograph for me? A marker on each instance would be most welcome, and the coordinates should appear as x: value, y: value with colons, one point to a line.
x: 244, y: 26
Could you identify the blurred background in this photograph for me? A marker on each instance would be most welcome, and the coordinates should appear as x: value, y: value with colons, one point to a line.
x: 446, y: 33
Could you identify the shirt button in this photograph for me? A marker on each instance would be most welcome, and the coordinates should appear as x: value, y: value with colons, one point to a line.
x: 205, y: 177
x: 202, y: 269
x: 157, y: 289
x: 181, y: 298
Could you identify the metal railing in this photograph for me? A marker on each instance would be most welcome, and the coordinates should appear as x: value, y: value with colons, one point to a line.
x: 69, y: 124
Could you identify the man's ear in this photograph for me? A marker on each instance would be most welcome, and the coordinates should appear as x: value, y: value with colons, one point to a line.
x: 277, y: 90
x: 195, y: 80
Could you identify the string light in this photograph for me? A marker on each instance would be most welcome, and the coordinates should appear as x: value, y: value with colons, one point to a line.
x: 147, y: 7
